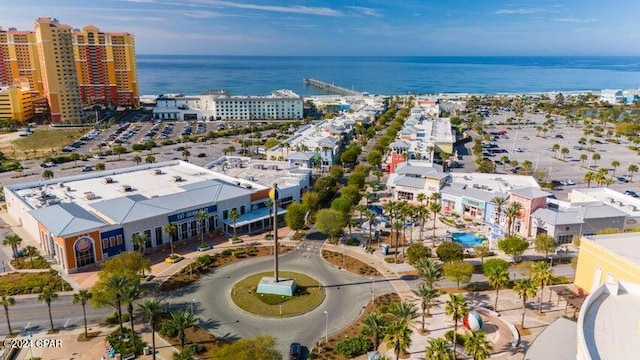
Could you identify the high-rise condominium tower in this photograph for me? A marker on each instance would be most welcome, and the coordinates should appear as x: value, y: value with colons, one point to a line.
x: 19, y: 59
x: 106, y: 67
x: 58, y: 69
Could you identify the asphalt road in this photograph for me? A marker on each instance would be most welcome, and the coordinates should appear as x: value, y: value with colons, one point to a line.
x: 31, y: 315
x: 346, y: 295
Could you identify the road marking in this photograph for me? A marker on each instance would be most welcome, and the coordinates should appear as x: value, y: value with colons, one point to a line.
x: 66, y: 323
x: 26, y: 326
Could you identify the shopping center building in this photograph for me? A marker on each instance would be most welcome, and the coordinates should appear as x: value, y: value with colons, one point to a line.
x: 82, y: 220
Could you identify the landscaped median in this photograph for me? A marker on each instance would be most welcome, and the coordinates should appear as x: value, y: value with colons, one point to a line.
x: 22, y: 283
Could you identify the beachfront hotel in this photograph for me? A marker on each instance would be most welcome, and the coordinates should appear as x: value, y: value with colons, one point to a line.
x: 71, y: 68
x: 219, y: 105
x: 85, y: 219
x: 16, y: 102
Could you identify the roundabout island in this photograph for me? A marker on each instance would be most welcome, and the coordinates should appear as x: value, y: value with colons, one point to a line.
x: 309, y: 294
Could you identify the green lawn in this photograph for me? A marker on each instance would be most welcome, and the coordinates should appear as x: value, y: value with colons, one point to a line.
x: 48, y: 139
x: 310, y: 295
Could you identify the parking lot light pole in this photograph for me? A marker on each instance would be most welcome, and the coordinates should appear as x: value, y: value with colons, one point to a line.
x: 326, y: 327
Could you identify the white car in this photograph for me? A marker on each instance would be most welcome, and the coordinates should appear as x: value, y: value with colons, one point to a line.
x: 517, y: 149
x: 567, y: 182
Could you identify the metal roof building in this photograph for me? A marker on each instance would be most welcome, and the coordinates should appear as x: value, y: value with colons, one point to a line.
x: 82, y: 220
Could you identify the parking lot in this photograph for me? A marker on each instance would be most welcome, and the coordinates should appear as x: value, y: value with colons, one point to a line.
x: 533, y: 146
x: 94, y: 143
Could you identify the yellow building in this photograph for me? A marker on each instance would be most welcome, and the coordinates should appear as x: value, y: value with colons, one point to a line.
x: 608, y: 258
x: 58, y: 69
x: 106, y: 67
x: 19, y: 59
x: 16, y: 103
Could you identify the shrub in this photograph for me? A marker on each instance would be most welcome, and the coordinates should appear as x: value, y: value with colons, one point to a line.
x: 494, y: 263
x: 417, y: 251
x: 113, y: 318
x: 389, y: 260
x: 133, y: 346
x: 352, y: 242
x: 195, y: 348
x: 227, y: 252
x: 449, y: 251
x: 352, y: 347
x: 461, y: 339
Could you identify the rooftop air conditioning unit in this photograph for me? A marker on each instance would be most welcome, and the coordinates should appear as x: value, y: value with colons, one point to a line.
x: 89, y: 195
x: 125, y: 188
x: 177, y: 178
x: 108, y: 180
x: 156, y: 171
x: 61, y: 185
x: 53, y: 201
x: 248, y: 186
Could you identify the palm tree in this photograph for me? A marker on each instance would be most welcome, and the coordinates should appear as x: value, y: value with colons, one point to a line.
x: 152, y: 310
x: 375, y: 325
x: 81, y: 297
x: 14, y: 241
x: 397, y: 227
x: 7, y: 301
x: 614, y: 165
x: 139, y: 240
x: 398, y: 337
x: 403, y: 311
x: 48, y: 295
x: 438, y: 349
x: 171, y: 229
x: 477, y: 346
x: 180, y: 321
x: 583, y: 158
x: 498, y: 278
x: 632, y: 169
x: 435, y: 208
x: 595, y: 157
x: 150, y: 159
x: 541, y: 276
x: 429, y: 271
x: 525, y: 290
x: 423, y: 214
x: 100, y: 166
x: 185, y: 154
x: 137, y: 159
x: 115, y: 283
x: 129, y: 294
x: 589, y: 177
x: 202, y: 216
x: 31, y: 251
x: 527, y: 165
x: 564, y: 151
x: 234, y: 215
x: 427, y: 295
x: 513, y: 211
x: 555, y: 149
x: 499, y: 202
x: 371, y: 216
x: 457, y: 308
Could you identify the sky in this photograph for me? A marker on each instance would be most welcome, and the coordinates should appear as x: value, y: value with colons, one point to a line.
x: 350, y: 27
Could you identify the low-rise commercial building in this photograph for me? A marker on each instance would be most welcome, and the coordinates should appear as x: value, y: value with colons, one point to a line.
x: 16, y: 103
x: 219, y: 105
x: 82, y: 220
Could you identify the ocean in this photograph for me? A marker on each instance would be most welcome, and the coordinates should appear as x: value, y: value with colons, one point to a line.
x: 259, y: 75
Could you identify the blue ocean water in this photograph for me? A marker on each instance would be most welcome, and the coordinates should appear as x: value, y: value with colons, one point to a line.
x: 259, y: 75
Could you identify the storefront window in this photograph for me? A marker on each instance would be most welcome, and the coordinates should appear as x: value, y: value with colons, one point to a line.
x: 84, y: 252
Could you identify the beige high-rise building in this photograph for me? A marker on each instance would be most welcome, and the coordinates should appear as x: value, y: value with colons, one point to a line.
x: 106, y: 67
x: 19, y: 59
x: 16, y: 102
x: 58, y: 69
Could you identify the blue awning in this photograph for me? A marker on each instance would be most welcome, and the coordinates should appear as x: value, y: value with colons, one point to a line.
x: 252, y: 217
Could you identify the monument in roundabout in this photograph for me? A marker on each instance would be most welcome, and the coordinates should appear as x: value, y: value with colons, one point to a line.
x: 274, y: 285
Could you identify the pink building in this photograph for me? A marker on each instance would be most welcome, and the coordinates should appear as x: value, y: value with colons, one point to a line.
x: 531, y: 199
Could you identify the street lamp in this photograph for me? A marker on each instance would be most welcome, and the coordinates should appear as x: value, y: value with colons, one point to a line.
x: 371, y: 291
x: 192, y: 301
x: 326, y: 327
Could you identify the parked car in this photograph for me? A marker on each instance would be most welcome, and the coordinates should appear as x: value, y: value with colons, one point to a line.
x: 631, y: 193
x: 517, y: 149
x: 567, y: 182
x: 623, y: 179
x: 559, y: 136
x: 294, y: 351
x: 180, y: 148
x: 201, y: 155
x: 87, y: 169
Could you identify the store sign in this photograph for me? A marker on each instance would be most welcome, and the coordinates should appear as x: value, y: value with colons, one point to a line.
x: 83, y: 244
x: 473, y: 203
x: 192, y: 213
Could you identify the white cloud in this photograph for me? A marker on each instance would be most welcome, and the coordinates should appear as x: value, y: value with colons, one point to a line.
x: 575, y: 20
x: 295, y: 9
x: 522, y: 11
x: 366, y: 11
